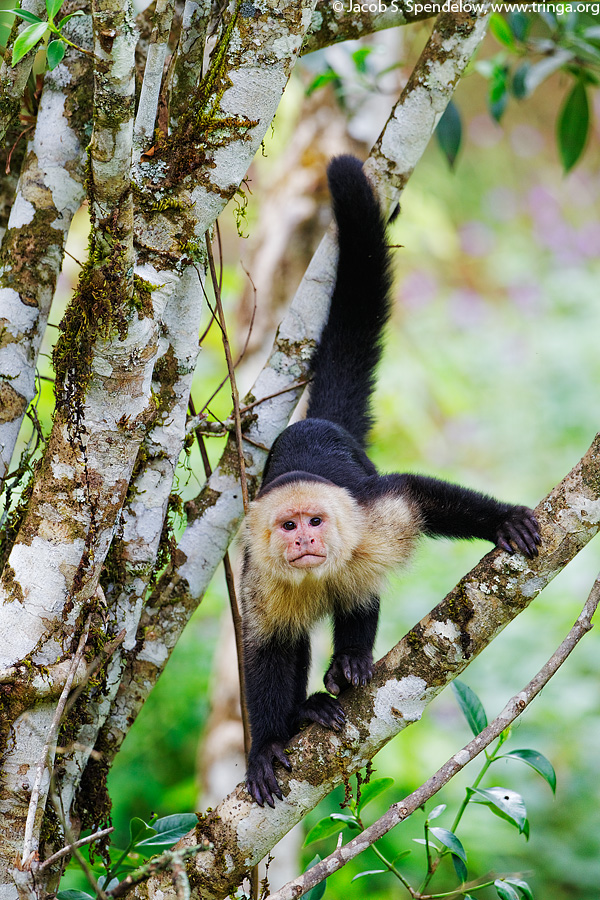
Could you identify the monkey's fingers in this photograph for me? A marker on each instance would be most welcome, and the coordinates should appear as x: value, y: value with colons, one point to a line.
x: 325, y: 710
x: 353, y: 667
x: 261, y: 782
x: 520, y: 530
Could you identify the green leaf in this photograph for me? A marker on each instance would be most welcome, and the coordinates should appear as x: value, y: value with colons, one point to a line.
x: 520, y: 24
x: 319, y: 889
x: 573, y: 125
x: 64, y: 21
x: 74, y: 895
x: 550, y: 19
x: 459, y: 868
x: 471, y: 706
x: 504, y: 803
x: 54, y: 53
x: 179, y: 823
x: 518, y: 84
x: 538, y: 72
x: 317, y: 892
x: 435, y: 812
x: 373, y: 789
x: 537, y: 761
x: 505, y: 891
x: 522, y: 885
x: 52, y: 7
x: 139, y: 830
x: 102, y: 883
x: 321, y: 80
x: 360, y: 57
x: 449, y: 840
x: 497, y: 107
x: 24, y: 14
x: 498, y: 97
x: 27, y: 40
x: 166, y: 831
x: 501, y: 30
x: 449, y: 133
x: 323, y: 829
x: 370, y: 872
x: 401, y: 856
x: 350, y: 821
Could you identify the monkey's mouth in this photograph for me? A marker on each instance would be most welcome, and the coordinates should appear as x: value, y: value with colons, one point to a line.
x: 307, y: 560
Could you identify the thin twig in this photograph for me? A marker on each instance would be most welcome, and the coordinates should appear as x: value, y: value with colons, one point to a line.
x: 400, y: 811
x: 158, y: 864
x: 235, y: 609
x: 198, y: 421
x: 42, y: 763
x: 96, y: 836
x: 232, y: 381
x: 57, y: 802
x: 105, y: 654
x: 285, y: 390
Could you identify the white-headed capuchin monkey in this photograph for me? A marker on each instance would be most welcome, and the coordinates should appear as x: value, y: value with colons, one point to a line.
x: 326, y: 527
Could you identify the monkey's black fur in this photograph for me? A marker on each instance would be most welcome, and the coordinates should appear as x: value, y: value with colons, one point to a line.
x: 328, y: 446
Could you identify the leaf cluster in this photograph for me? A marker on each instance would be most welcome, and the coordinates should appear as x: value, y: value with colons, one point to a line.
x: 146, y: 840
x: 535, y: 46
x: 440, y: 842
x: 38, y: 30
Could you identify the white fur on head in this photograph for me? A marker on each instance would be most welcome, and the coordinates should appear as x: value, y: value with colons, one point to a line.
x: 363, y: 543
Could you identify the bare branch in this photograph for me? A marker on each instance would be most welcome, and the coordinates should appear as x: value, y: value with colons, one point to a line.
x: 331, y: 24
x: 143, y: 132
x: 82, y: 842
x: 400, y: 811
x: 44, y: 764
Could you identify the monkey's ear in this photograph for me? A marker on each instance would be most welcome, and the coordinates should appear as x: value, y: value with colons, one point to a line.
x: 395, y: 214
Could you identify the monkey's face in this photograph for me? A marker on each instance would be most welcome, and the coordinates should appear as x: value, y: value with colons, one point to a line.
x: 303, y: 528
x: 303, y: 535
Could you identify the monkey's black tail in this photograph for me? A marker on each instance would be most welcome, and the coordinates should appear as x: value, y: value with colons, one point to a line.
x: 350, y: 346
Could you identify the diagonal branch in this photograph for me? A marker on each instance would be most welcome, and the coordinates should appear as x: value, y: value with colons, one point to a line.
x: 332, y: 24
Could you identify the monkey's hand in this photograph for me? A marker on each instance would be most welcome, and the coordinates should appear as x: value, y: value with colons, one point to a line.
x: 351, y: 668
x: 520, y: 527
x: 325, y: 710
x: 260, y: 777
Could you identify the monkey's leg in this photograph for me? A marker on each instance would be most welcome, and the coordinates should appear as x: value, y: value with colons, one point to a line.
x: 276, y: 672
x: 449, y: 510
x: 353, y: 639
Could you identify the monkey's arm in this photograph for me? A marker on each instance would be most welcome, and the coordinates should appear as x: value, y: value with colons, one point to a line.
x: 276, y: 674
x: 353, y: 639
x: 449, y: 510
x: 271, y: 670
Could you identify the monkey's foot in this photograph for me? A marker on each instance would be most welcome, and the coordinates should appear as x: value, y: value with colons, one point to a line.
x: 351, y: 668
x: 261, y: 782
x: 325, y: 710
x: 521, y: 529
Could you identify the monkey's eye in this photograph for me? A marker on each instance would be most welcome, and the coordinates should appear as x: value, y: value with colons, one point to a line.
x: 289, y: 526
x: 316, y: 520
